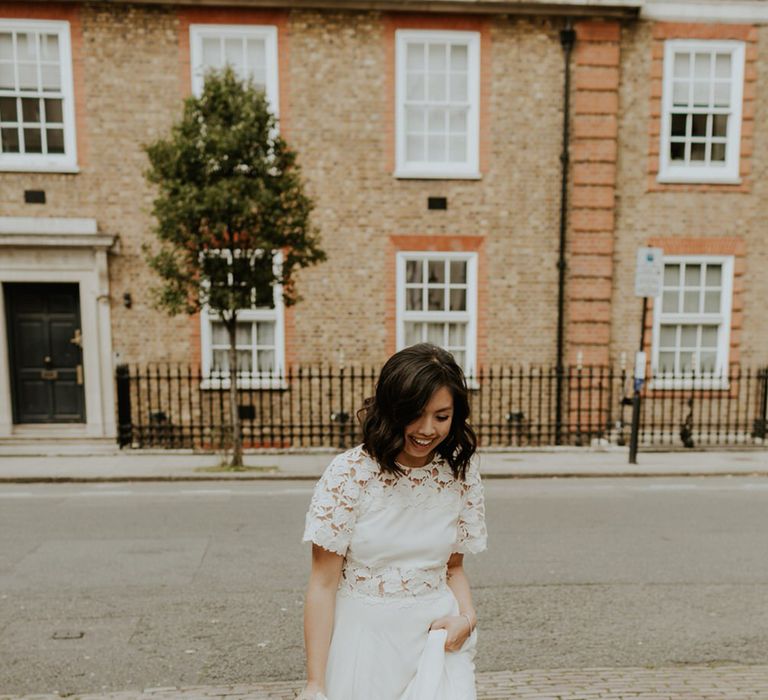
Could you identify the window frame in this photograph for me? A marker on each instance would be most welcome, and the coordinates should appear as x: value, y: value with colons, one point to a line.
x: 267, y: 32
x: 729, y: 172
x: 719, y: 378
x: 46, y: 162
x: 256, y: 380
x: 469, y: 316
x: 443, y: 171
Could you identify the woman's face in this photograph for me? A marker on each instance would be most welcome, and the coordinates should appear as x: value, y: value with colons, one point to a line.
x: 424, y: 434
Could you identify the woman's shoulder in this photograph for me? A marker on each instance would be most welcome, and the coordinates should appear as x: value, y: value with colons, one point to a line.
x: 354, y: 463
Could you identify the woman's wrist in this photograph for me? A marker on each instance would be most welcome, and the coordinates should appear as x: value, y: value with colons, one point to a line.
x: 471, y: 620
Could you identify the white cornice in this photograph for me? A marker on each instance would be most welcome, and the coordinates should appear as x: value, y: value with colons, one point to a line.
x: 733, y: 11
x: 47, y: 225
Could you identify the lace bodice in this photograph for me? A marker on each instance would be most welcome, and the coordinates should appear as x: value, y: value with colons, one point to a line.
x: 396, y: 533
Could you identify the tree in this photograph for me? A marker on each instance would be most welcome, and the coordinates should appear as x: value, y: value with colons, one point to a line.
x: 232, y: 216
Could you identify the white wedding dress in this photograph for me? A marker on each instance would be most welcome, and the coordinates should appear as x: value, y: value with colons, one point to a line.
x: 396, y: 534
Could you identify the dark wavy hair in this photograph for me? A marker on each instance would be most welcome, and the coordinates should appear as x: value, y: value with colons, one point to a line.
x: 407, y: 382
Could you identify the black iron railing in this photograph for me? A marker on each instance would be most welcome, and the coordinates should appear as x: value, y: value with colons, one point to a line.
x: 175, y: 406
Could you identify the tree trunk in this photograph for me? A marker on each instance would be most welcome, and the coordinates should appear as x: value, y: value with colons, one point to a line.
x: 234, y: 413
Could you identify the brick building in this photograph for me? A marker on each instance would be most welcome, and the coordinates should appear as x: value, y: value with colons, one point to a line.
x: 430, y: 136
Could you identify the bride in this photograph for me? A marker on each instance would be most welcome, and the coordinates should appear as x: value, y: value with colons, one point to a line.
x: 388, y: 612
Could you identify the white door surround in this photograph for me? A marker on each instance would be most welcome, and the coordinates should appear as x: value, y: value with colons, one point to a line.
x: 50, y: 249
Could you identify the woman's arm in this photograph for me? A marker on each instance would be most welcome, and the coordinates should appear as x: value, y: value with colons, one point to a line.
x: 319, y: 610
x: 458, y: 626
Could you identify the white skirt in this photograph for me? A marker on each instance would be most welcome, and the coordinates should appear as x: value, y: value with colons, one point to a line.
x: 382, y: 649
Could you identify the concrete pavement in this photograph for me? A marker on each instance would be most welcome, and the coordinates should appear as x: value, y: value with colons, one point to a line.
x: 673, y: 683
x: 143, y: 465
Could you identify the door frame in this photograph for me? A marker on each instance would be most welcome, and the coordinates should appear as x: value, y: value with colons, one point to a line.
x: 79, y: 259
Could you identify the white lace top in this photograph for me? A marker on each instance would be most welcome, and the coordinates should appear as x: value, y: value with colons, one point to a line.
x: 396, y: 533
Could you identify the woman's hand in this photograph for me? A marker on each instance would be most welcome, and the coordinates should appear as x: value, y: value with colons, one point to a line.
x: 311, y: 692
x: 457, y: 628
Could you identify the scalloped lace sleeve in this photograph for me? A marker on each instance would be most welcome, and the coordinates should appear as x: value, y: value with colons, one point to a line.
x: 333, y: 510
x: 472, y: 535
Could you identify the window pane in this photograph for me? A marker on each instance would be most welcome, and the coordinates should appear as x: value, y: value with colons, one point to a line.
x: 666, y: 362
x: 722, y: 94
x: 459, y: 60
x: 49, y: 44
x: 436, y: 300
x: 682, y: 65
x: 6, y: 46
x: 458, y: 271
x: 7, y: 80
x: 53, y: 111
x: 436, y: 120
x: 436, y: 271
x: 265, y: 333
x: 8, y: 109
x: 460, y: 357
x: 436, y: 333
x: 698, y: 151
x: 219, y: 334
x: 244, y: 358
x: 459, y: 87
x: 457, y: 122
x: 458, y: 299
x: 457, y: 333
x: 51, y: 76
x: 233, y: 54
x: 266, y: 360
x: 414, y: 86
x: 718, y: 152
x: 712, y: 302
x: 677, y: 151
x: 437, y: 86
x: 693, y: 275
x: 723, y: 65
x: 413, y: 271
x: 257, y: 54
x: 457, y: 149
x: 414, y: 119
x: 414, y: 57
x: 55, y: 138
x: 709, y: 336
x: 413, y: 333
x: 680, y: 93
x: 679, y: 124
x: 699, y: 124
x: 686, y: 362
x: 436, y: 148
x: 707, y: 363
x: 438, y: 60
x: 701, y: 66
x: 714, y: 275
x: 719, y: 125
x: 688, y: 336
x: 220, y: 361
x: 691, y: 302
x: 243, y: 334
x: 30, y: 109
x: 26, y: 46
x: 668, y: 336
x: 701, y: 94
x: 10, y: 140
x: 414, y: 148
x: 671, y: 275
x: 27, y: 76
x: 670, y: 301
x: 413, y: 299
x: 211, y: 53
x: 33, y: 141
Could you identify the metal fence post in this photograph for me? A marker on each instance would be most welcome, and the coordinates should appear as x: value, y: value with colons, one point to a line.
x: 124, y: 422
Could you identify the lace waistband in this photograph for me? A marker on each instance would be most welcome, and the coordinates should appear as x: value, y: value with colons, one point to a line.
x: 390, y: 581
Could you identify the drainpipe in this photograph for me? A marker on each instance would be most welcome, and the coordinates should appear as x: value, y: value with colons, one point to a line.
x: 567, y: 40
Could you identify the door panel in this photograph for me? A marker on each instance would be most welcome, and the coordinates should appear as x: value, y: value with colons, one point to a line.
x: 42, y: 321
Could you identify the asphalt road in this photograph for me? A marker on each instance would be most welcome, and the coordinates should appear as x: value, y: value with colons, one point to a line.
x: 128, y: 586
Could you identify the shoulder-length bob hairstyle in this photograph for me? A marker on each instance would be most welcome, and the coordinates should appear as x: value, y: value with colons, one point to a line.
x: 406, y: 384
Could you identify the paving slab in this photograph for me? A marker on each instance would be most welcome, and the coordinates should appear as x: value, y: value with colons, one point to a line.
x: 719, y: 682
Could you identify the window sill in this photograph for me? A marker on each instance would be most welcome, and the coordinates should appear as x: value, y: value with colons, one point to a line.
x: 689, y: 383
x: 267, y: 384
x: 433, y: 175
x: 38, y: 168
x: 693, y: 179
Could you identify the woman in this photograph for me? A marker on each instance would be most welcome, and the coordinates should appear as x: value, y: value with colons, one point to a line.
x: 388, y: 612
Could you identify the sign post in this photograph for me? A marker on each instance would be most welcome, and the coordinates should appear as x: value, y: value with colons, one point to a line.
x: 649, y: 277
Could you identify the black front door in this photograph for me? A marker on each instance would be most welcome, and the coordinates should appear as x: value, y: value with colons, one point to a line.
x: 45, y: 351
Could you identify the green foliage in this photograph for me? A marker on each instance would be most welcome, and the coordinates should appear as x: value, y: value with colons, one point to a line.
x: 230, y: 194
